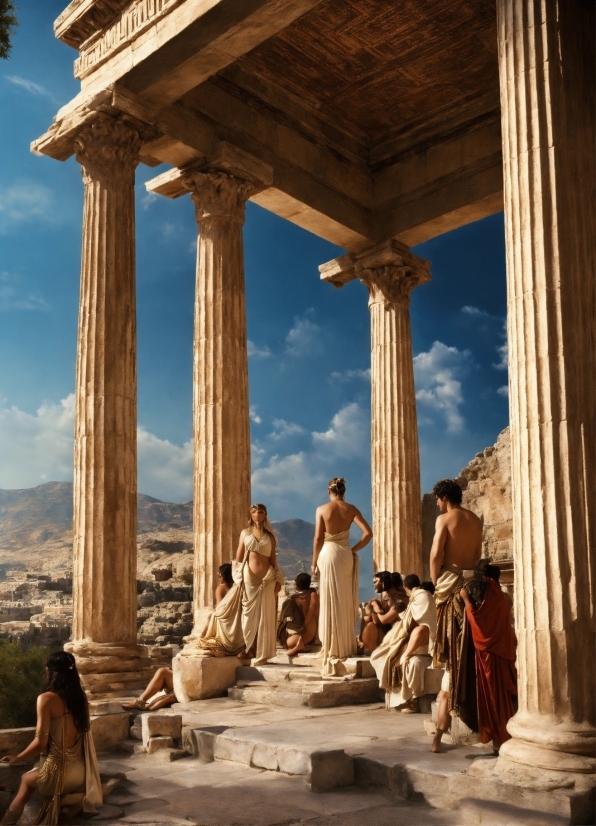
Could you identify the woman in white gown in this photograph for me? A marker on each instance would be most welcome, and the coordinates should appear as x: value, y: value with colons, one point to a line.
x: 260, y: 579
x: 336, y: 564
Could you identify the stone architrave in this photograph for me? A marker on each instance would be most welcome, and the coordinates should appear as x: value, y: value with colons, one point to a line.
x: 221, y: 409
x: 104, y: 627
x: 390, y: 273
x: 547, y: 93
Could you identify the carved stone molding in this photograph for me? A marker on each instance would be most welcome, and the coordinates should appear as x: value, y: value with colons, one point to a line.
x: 218, y: 195
x: 107, y: 147
x: 390, y: 284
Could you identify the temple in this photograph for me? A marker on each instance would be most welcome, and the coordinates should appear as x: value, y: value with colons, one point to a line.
x: 376, y: 126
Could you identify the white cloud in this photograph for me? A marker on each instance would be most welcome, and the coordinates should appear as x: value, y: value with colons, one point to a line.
x: 258, y: 352
x: 254, y: 416
x: 29, y: 86
x: 503, y: 352
x: 192, y: 247
x: 25, y: 201
x: 349, y: 375
x: 37, y: 448
x: 14, y: 296
x: 504, y: 390
x: 304, y: 337
x: 348, y: 435
x: 148, y: 199
x: 437, y: 373
x: 283, y: 429
x: 470, y: 310
x: 168, y: 230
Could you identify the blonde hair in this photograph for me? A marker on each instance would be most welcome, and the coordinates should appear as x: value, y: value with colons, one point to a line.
x: 337, y: 485
x: 267, y: 526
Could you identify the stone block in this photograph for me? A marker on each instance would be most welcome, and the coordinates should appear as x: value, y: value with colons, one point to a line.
x: 294, y: 761
x: 331, y: 770
x: 371, y: 773
x: 199, y: 678
x: 238, y: 751
x: 164, y: 725
x: 14, y: 740
x: 159, y: 742
x: 109, y: 730
x: 264, y: 756
x: 432, y: 680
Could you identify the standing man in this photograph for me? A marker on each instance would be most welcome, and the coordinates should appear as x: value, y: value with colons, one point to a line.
x: 456, y: 549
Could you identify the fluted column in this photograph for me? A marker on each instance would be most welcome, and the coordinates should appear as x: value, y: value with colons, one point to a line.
x: 395, y: 460
x: 547, y: 94
x: 105, y: 463
x: 221, y: 410
x: 390, y: 272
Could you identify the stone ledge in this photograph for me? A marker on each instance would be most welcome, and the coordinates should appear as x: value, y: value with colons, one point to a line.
x: 200, y: 678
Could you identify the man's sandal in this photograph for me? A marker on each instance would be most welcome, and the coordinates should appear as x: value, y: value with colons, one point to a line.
x: 411, y: 707
x: 135, y: 705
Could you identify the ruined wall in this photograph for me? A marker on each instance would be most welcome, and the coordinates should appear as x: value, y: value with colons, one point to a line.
x: 486, y: 482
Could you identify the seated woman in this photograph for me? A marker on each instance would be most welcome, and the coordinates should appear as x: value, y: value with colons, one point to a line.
x: 69, y: 774
x: 160, y: 691
x: 380, y: 614
x: 299, y: 617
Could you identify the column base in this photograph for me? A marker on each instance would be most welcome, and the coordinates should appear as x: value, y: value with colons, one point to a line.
x: 111, y: 669
x: 199, y: 678
x: 547, y: 743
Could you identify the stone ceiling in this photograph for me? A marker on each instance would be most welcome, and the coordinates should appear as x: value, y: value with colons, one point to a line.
x: 387, y: 74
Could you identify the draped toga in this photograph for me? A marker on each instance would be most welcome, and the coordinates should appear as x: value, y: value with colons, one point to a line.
x: 454, y: 649
x: 403, y: 681
x: 66, y: 772
x: 338, y: 595
x: 495, y: 644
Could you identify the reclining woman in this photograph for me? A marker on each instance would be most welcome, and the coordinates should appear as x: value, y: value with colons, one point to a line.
x: 160, y: 690
x: 68, y: 777
x: 299, y: 617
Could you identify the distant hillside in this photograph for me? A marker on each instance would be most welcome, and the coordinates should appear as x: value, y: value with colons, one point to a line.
x: 43, y: 514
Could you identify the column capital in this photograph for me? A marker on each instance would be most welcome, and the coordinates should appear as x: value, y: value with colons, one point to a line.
x: 217, y: 194
x: 107, y: 147
x: 388, y: 270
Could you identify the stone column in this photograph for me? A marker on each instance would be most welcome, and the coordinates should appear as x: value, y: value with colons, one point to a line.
x: 221, y: 410
x: 390, y: 273
x: 104, y: 632
x: 547, y: 92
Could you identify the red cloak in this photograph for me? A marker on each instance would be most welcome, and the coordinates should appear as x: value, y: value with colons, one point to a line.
x: 495, y: 644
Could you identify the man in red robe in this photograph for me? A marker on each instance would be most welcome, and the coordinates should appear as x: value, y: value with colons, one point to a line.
x: 489, y: 615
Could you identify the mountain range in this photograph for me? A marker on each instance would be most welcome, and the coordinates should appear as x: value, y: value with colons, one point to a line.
x: 36, y: 523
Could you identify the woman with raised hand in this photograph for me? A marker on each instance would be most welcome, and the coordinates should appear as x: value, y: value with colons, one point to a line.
x: 68, y: 775
x: 335, y: 562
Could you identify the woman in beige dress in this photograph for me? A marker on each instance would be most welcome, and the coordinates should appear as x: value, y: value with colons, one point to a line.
x: 68, y: 776
x: 336, y: 564
x: 258, y: 575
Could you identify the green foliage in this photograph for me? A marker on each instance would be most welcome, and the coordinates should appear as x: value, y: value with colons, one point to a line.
x: 21, y: 677
x: 186, y: 576
x: 8, y: 22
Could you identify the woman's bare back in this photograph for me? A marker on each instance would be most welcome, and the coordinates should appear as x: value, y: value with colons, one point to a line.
x: 337, y: 516
x: 57, y: 709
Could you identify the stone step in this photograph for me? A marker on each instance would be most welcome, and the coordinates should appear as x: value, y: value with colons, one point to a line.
x: 323, y: 769
x: 314, y: 694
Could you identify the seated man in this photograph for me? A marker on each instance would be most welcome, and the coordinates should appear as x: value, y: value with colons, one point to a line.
x: 299, y: 617
x: 379, y: 615
x: 402, y: 659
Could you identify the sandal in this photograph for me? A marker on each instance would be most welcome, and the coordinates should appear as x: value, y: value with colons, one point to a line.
x: 411, y: 707
x: 135, y: 705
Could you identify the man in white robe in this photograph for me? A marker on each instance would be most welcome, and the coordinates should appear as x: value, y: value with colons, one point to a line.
x: 400, y: 662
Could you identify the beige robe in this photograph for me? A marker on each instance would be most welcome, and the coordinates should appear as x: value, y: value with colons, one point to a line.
x: 338, y: 595
x: 224, y: 636
x: 405, y: 681
x: 259, y: 609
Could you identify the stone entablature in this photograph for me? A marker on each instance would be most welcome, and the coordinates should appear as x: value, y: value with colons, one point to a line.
x: 132, y: 21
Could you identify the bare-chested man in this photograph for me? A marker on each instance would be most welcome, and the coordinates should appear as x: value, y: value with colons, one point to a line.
x: 456, y: 548
x: 299, y: 617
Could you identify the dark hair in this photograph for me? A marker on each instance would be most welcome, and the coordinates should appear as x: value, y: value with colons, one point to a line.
x: 337, y: 486
x: 427, y: 585
x: 225, y: 571
x: 448, y: 489
x: 384, y: 578
x: 411, y: 581
x: 493, y: 572
x: 303, y: 581
x: 63, y: 679
x: 396, y: 580
x: 476, y: 588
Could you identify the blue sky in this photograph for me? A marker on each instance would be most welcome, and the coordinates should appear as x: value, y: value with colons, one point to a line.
x: 309, y: 344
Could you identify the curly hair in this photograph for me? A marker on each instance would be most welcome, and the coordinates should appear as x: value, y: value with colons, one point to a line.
x: 448, y: 489
x: 384, y: 578
x: 63, y: 679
